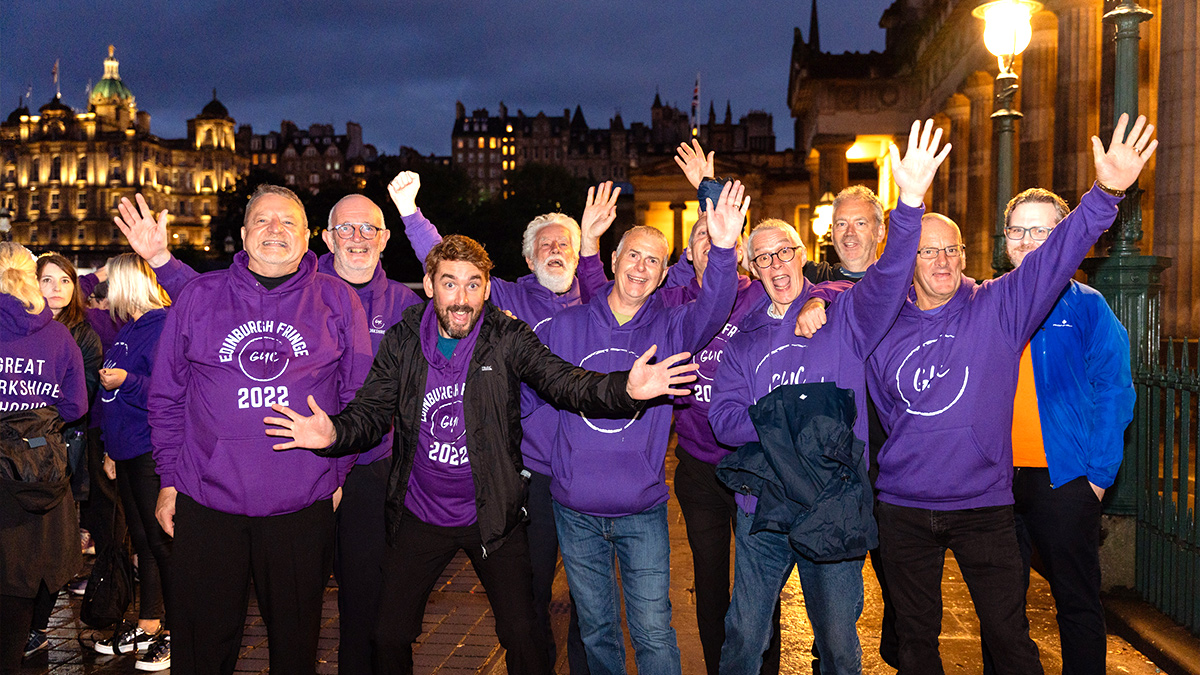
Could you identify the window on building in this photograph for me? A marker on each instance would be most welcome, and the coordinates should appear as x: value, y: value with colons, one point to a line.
x: 35, y: 171
x: 460, y: 143
x: 115, y: 235
x: 33, y: 234
x: 146, y: 154
x: 11, y: 175
x: 208, y: 182
x: 290, y: 179
x: 255, y: 144
x: 314, y: 179
x: 254, y: 158
x: 337, y: 166
x: 271, y: 145
x: 481, y: 141
x: 81, y: 168
x: 35, y: 202
x: 81, y: 233
x: 183, y: 237
x: 81, y: 201
x: 114, y: 151
x: 207, y: 208
x: 145, y: 176
x: 116, y: 201
x: 492, y: 143
x: 54, y: 201
x: 56, y: 168
x: 53, y: 233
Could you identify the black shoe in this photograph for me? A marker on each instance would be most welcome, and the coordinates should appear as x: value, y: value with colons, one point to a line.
x: 158, y: 656
x: 130, y: 640
x: 37, y: 642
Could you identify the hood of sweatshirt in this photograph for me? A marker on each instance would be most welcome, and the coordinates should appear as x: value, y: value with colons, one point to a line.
x: 16, y: 322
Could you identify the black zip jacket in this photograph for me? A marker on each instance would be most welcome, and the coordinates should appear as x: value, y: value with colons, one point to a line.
x: 506, y: 353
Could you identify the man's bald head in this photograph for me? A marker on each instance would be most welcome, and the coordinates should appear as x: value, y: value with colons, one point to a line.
x: 356, y: 256
x: 938, y: 274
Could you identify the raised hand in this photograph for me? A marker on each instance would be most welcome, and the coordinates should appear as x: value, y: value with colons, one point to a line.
x: 695, y: 164
x: 1122, y: 163
x: 403, y: 190
x: 726, y: 218
x: 651, y: 381
x: 811, y: 318
x: 598, y: 215
x: 915, y: 173
x: 147, y: 234
x: 314, y: 432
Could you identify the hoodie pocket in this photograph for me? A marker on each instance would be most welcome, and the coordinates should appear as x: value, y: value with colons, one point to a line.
x: 940, y: 465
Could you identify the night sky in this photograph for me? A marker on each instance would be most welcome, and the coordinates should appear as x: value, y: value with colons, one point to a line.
x: 398, y: 67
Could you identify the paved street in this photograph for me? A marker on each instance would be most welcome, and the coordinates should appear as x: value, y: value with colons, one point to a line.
x: 460, y: 635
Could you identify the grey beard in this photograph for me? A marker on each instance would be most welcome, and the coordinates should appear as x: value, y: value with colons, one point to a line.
x: 554, y: 282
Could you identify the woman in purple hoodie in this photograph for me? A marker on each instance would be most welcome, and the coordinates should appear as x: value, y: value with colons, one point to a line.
x: 40, y: 366
x: 136, y: 298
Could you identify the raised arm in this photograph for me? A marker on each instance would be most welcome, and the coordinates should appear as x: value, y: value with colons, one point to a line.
x: 598, y: 215
x: 696, y: 166
x: 1029, y: 292
x: 147, y: 235
x: 420, y: 232
x: 729, y: 414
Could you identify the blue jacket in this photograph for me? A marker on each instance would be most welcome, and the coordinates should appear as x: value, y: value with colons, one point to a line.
x: 1084, y: 387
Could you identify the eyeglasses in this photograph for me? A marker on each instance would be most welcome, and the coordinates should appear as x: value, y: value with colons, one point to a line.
x: 1018, y: 233
x: 785, y: 254
x: 931, y: 252
x: 346, y: 230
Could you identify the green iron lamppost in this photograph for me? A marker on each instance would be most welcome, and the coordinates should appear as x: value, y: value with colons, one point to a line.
x: 1006, y: 34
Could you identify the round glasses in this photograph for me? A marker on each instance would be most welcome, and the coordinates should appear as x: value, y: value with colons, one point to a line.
x: 346, y: 230
x: 1038, y: 233
x: 931, y: 252
x: 785, y: 254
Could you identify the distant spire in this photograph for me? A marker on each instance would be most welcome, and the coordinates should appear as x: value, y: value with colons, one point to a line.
x: 657, y: 101
x: 814, y: 33
x: 728, y: 112
x: 111, y: 65
x: 214, y: 93
x: 712, y: 113
x: 57, y: 89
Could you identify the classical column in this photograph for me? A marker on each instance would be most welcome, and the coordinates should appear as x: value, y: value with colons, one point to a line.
x: 1177, y: 193
x: 833, y: 169
x: 958, y: 110
x: 677, y: 241
x: 1077, y: 116
x: 939, y: 198
x: 1039, y: 68
x: 977, y: 222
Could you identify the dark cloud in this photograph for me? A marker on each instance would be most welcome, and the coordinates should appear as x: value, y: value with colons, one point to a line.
x: 398, y: 67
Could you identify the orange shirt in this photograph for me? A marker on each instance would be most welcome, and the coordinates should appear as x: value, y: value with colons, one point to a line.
x: 1028, y: 449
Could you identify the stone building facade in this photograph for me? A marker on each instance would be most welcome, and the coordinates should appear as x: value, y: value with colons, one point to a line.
x: 306, y: 159
x: 935, y: 65
x: 63, y: 172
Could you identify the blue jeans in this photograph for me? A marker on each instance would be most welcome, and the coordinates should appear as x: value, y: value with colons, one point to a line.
x: 590, y: 546
x: 833, y: 597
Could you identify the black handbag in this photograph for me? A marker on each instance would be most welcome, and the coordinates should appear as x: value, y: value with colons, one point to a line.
x: 33, y: 458
x: 110, y: 587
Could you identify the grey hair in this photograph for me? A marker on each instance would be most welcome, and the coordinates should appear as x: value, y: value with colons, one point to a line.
x: 860, y: 193
x: 643, y: 229
x: 775, y: 224
x: 529, y: 239
x: 279, y: 191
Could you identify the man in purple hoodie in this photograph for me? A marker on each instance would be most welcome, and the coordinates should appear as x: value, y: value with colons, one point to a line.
x: 356, y: 237
x: 551, y: 246
x: 944, y: 378
x: 764, y: 354
x: 609, y: 482
x: 268, y: 330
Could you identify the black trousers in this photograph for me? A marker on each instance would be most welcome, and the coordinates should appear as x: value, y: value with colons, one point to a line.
x: 708, y: 513
x: 96, y: 513
x: 216, y: 555
x: 138, y: 484
x: 16, y: 616
x: 1063, y: 525
x: 543, y: 555
x: 984, y: 541
x: 413, y: 565
x: 358, y: 562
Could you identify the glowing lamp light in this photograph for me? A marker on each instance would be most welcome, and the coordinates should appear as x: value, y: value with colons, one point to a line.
x: 823, y: 221
x: 1006, y: 31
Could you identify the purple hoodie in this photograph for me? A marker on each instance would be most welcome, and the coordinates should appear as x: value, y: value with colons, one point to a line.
x: 384, y: 301
x: 229, y: 349
x: 124, y: 422
x: 943, y: 379
x: 40, y: 363
x: 765, y: 353
x: 615, y: 467
x: 532, y: 303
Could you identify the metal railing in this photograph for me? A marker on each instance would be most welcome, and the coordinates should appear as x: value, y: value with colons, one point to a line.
x: 1167, y: 433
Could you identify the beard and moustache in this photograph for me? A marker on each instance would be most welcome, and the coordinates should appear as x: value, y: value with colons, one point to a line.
x: 455, y: 332
x: 557, y: 279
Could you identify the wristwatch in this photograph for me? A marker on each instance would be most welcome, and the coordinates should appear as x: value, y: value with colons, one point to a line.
x: 1111, y: 191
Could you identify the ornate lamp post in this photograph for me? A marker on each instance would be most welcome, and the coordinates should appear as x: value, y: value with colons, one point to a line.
x: 1006, y: 33
x: 822, y: 223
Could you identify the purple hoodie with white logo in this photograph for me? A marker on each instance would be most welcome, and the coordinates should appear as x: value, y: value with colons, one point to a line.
x: 231, y: 348
x: 615, y: 467
x: 943, y: 380
x: 40, y: 364
x: 765, y: 353
x: 124, y: 422
x: 384, y: 301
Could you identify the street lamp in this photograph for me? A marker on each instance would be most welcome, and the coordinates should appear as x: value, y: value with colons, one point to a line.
x: 1006, y: 33
x: 822, y: 223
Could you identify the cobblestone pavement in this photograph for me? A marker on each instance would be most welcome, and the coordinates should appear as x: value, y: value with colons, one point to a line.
x: 460, y: 634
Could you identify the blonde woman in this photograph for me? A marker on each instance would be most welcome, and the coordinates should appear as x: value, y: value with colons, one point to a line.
x: 40, y: 366
x: 136, y: 299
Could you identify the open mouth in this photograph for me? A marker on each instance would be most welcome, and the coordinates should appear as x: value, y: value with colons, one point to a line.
x: 556, y: 263
x: 781, y: 282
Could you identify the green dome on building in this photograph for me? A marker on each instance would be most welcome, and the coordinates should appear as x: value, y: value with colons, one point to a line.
x: 111, y: 86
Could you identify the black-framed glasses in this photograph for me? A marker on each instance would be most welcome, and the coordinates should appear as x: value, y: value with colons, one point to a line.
x: 785, y: 254
x: 931, y: 252
x: 1038, y: 233
x: 346, y: 230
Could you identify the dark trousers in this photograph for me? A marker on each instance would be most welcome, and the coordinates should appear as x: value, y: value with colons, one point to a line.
x: 358, y: 562
x: 984, y: 541
x: 16, y: 615
x: 1063, y: 525
x: 215, y: 557
x: 96, y: 513
x: 708, y: 515
x: 411, y: 568
x: 138, y: 484
x: 543, y: 555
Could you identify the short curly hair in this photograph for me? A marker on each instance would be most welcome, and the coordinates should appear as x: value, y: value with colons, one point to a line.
x: 455, y: 248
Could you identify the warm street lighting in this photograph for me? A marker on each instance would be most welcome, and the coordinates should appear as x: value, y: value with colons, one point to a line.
x: 1006, y: 34
x: 823, y: 215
